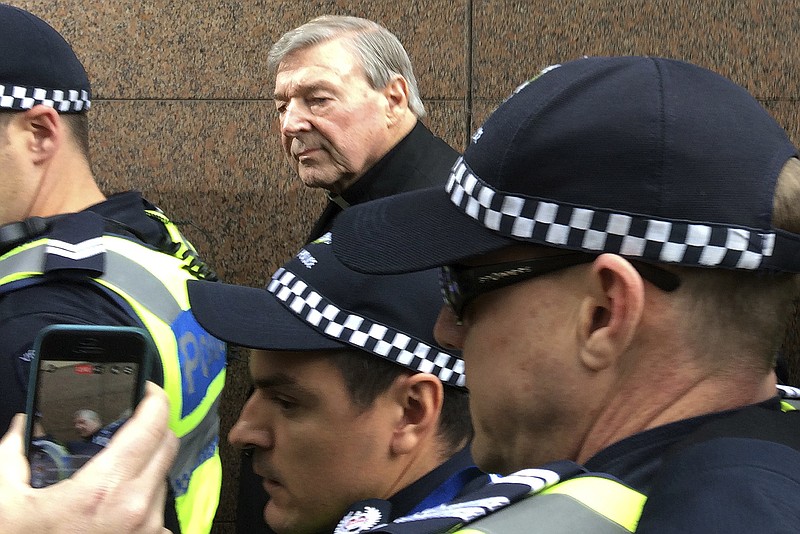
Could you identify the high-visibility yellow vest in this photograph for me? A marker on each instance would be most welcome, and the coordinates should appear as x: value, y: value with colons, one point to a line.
x: 151, y: 285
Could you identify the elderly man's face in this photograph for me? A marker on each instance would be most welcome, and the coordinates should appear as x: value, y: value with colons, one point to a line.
x: 333, y: 125
x: 85, y: 426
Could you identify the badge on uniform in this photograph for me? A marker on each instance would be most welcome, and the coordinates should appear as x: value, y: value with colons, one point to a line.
x: 364, y: 515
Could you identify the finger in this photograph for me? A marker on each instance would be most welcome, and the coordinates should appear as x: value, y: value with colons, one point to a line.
x: 12, y: 452
x: 13, y: 441
x: 151, y: 484
x: 127, y: 479
x: 161, y: 460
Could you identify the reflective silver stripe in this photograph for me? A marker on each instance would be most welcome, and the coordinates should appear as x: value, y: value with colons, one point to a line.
x: 141, y: 285
x: 551, y: 513
x: 27, y: 261
x: 122, y: 272
x: 192, y: 451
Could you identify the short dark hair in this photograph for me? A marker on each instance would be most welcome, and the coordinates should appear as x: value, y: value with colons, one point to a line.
x: 78, y: 124
x: 366, y: 376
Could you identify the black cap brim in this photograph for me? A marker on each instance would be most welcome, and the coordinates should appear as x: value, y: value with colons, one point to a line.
x: 410, y: 232
x: 253, y: 318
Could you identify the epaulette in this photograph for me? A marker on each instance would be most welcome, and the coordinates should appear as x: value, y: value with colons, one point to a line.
x: 76, y: 244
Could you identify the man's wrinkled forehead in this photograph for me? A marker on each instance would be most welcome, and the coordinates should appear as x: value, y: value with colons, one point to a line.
x: 333, y: 59
x: 292, y: 85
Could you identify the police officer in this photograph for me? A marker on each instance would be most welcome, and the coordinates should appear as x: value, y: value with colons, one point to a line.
x: 354, y: 403
x: 68, y: 254
x: 618, y: 246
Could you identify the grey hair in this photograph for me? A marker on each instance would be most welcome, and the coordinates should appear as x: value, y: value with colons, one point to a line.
x: 89, y: 415
x: 380, y: 51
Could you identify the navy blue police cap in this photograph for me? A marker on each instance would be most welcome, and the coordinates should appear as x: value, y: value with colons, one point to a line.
x: 315, y: 303
x: 653, y: 159
x: 37, y: 66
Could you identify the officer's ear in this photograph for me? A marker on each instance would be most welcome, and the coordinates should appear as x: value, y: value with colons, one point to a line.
x: 43, y: 131
x: 610, y: 312
x: 420, y: 396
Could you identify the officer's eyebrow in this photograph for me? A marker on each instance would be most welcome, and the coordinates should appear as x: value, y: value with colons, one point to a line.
x: 279, y: 380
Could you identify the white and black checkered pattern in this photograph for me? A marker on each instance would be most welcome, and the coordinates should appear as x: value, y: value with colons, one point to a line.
x: 22, y: 98
x: 594, y: 230
x: 361, y: 332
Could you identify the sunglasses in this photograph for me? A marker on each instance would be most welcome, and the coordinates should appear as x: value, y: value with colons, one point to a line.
x: 461, y: 284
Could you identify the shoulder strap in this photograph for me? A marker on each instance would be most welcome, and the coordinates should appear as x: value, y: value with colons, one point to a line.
x: 16, y: 233
x: 73, y: 246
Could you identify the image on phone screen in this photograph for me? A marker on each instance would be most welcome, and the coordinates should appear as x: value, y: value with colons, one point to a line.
x: 80, y: 404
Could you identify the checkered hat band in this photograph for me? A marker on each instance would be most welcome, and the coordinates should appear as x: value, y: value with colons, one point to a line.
x: 22, y: 98
x: 361, y: 332
x: 591, y: 230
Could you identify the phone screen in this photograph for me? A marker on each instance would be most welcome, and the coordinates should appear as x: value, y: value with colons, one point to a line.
x: 87, y: 384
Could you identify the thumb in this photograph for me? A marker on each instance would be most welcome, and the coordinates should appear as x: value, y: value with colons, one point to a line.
x: 12, y: 452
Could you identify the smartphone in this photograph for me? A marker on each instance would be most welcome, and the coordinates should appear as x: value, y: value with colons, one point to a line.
x: 85, y: 382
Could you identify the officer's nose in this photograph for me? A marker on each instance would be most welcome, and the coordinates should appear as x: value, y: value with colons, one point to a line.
x: 251, y: 429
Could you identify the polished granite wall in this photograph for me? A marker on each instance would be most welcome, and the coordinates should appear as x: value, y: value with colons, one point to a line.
x: 182, y: 110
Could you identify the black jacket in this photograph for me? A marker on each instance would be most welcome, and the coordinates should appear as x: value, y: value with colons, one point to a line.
x: 418, y: 161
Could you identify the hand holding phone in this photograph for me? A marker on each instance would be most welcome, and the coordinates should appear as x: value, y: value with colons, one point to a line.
x: 123, y: 490
x: 84, y: 384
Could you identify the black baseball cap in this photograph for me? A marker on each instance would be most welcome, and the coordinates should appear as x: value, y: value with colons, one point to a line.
x: 314, y: 302
x: 654, y: 159
x: 37, y: 66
